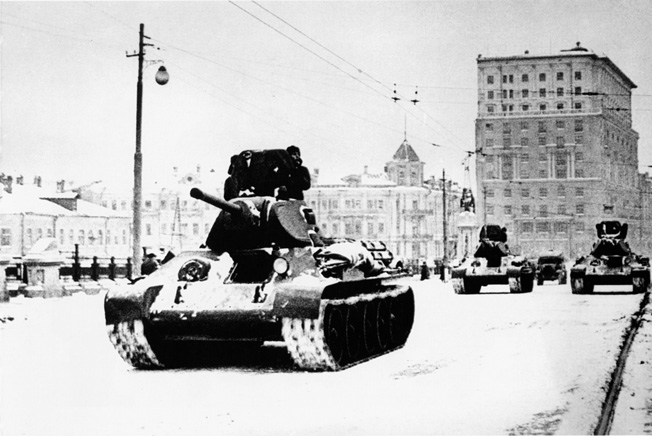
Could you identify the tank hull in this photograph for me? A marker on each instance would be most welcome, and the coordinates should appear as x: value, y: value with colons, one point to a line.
x: 320, y: 320
x: 473, y: 274
x: 585, y: 276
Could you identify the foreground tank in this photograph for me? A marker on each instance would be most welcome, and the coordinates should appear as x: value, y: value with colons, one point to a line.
x: 493, y: 264
x: 265, y: 275
x: 611, y: 262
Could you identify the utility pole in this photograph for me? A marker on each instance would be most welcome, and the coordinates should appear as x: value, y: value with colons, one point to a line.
x: 138, y: 156
x: 445, y: 218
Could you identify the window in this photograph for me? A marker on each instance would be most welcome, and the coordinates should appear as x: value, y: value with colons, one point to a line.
x: 542, y: 92
x: 524, y: 172
x: 507, y: 129
x: 195, y: 229
x: 508, y: 210
x: 489, y: 127
x: 524, y: 142
x: 370, y: 229
x: 579, y: 173
x: 542, y: 77
x: 490, y: 109
x: 108, y: 237
x: 148, y: 204
x: 507, y: 193
x: 525, y: 125
x: 560, y: 76
x: 511, y: 78
x: 335, y: 228
x: 526, y: 107
x: 525, y: 192
x: 525, y: 209
x: 560, y: 106
x: 542, y: 127
x: 579, y: 156
x: 5, y: 237
x: 561, y: 191
x: 543, y: 173
x: 490, y: 95
x: 527, y: 228
x: 559, y: 141
x: 490, y: 80
x: 579, y: 192
x: 525, y: 159
x: 542, y: 140
x: 561, y: 209
x: 489, y: 142
x: 579, y: 227
x: 489, y: 193
x: 561, y: 227
x: 543, y: 210
x: 543, y: 227
x: 543, y: 107
x: 504, y: 78
x: 578, y: 75
x: 560, y: 124
x: 578, y: 90
x: 560, y: 92
x: 525, y: 78
x: 579, y: 125
x: 81, y: 238
x: 148, y: 229
x: 578, y: 105
x: 62, y: 237
x: 490, y: 210
x: 504, y: 93
x: 579, y: 209
x: 579, y: 139
x: 511, y: 93
x: 543, y: 192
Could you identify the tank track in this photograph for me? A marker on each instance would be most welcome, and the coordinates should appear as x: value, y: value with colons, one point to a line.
x: 351, y: 330
x: 348, y: 331
x: 129, y: 340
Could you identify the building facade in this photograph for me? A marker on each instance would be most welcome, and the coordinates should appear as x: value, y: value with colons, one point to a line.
x: 556, y: 151
x: 397, y: 207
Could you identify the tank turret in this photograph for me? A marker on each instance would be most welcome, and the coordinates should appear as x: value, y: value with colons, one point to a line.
x: 256, y: 222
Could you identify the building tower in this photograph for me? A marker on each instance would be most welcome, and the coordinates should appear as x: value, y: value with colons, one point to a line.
x: 405, y: 168
x: 556, y: 149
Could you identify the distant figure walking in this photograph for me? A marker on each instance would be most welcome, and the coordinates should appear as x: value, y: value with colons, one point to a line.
x: 425, y: 271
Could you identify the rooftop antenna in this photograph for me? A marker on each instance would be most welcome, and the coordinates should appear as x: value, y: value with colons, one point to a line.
x: 405, y: 128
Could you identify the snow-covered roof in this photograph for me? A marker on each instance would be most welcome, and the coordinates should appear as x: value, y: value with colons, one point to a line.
x: 31, y: 201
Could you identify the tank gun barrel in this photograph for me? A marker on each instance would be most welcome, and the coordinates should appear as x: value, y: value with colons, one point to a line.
x: 215, y: 201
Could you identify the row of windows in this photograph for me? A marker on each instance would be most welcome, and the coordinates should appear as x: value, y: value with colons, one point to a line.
x: 525, y: 78
x: 546, y: 227
x: 526, y: 107
x: 353, y: 229
x: 543, y: 141
x: 81, y: 237
x: 560, y: 172
x: 542, y: 191
x: 182, y: 228
x: 527, y: 93
x: 542, y: 212
x: 348, y: 204
x: 542, y: 126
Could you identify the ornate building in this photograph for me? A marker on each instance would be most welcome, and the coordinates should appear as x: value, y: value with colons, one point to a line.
x: 556, y: 151
x: 397, y: 206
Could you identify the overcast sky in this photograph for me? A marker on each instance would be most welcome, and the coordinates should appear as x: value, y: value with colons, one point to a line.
x: 269, y: 74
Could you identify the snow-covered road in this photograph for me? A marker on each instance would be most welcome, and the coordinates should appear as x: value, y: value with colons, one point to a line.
x: 492, y: 363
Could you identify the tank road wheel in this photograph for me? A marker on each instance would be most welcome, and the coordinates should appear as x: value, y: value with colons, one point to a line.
x: 515, y: 285
x: 369, y: 327
x: 335, y: 332
x: 383, y: 323
x: 401, y: 318
x: 353, y: 332
x: 639, y: 284
x: 470, y: 287
x: 458, y: 286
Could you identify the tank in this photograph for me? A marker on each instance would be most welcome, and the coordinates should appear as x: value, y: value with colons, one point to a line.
x: 265, y: 274
x: 610, y: 262
x: 493, y: 264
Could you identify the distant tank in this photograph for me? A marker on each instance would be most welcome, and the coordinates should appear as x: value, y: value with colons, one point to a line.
x: 265, y: 274
x: 611, y: 262
x: 492, y: 264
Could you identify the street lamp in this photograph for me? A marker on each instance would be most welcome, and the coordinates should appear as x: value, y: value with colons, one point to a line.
x: 162, y: 78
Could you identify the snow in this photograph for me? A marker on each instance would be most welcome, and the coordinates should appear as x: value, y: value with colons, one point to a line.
x: 492, y: 363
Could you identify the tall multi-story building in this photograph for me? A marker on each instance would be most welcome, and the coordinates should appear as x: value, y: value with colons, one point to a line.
x: 397, y: 206
x: 556, y: 151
